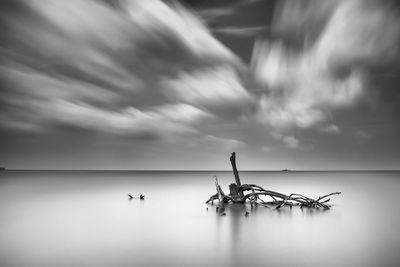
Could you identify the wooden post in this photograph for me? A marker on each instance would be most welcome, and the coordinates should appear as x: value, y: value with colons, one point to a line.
x: 235, y: 171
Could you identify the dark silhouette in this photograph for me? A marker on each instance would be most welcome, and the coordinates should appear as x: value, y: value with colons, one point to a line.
x: 238, y: 190
x: 235, y: 172
x: 141, y: 197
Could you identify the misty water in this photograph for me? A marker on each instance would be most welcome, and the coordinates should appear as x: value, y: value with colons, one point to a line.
x: 84, y: 218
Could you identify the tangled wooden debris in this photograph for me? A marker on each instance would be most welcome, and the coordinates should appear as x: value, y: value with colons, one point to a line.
x: 239, y: 193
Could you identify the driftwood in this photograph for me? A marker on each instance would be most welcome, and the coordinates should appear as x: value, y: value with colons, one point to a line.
x: 240, y: 193
x: 141, y: 197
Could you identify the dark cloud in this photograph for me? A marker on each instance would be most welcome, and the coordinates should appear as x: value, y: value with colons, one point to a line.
x: 93, y: 66
x: 148, y: 75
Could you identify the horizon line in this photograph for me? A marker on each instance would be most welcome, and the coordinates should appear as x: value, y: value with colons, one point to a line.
x: 211, y: 170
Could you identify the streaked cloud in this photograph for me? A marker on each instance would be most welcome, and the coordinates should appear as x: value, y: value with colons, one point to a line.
x: 217, y: 89
x: 100, y: 67
x: 161, y: 121
x: 152, y: 73
x: 330, y: 69
x: 241, y: 31
x: 221, y: 9
x: 212, y: 14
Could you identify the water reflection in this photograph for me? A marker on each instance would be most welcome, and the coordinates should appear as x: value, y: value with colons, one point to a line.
x: 284, y: 211
x: 76, y: 219
x: 313, y: 211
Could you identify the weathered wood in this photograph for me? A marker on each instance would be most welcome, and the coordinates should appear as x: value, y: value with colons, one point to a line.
x: 234, y: 191
x: 221, y: 195
x: 235, y: 171
x: 279, y: 200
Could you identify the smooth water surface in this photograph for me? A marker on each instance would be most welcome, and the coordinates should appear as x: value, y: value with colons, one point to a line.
x: 82, y: 218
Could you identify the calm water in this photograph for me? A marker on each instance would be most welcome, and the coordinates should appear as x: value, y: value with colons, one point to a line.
x: 51, y: 218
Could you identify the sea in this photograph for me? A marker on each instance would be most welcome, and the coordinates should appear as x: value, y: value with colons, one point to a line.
x: 85, y: 218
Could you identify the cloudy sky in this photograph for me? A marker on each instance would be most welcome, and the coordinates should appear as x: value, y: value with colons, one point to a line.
x: 150, y: 84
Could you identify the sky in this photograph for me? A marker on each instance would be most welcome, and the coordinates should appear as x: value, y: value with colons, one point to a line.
x: 179, y: 85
